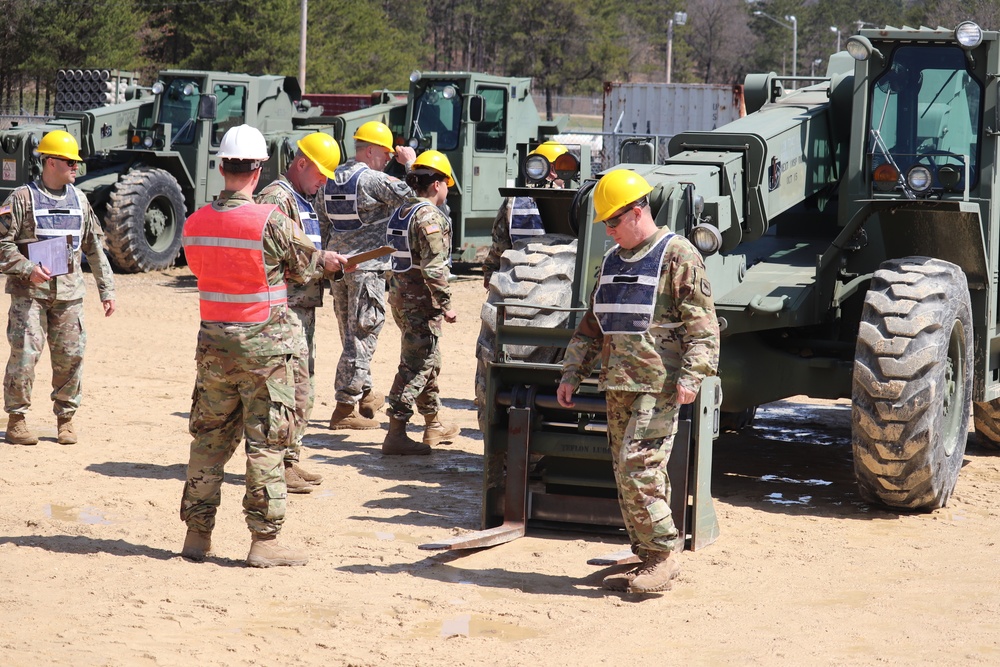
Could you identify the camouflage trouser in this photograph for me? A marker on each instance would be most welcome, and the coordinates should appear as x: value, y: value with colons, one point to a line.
x: 249, y: 397
x: 30, y: 322
x: 304, y: 370
x: 416, y: 382
x: 641, y: 429
x: 359, y: 302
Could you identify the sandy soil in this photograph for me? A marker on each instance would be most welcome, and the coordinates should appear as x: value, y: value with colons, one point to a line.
x: 803, y: 573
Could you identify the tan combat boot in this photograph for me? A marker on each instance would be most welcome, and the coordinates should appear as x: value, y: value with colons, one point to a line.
x: 620, y: 581
x: 656, y: 572
x: 370, y: 403
x: 397, y: 443
x: 197, y: 545
x: 311, y: 477
x: 294, y: 482
x: 17, y: 431
x: 266, y: 552
x: 346, y: 416
x: 66, y: 434
x: 435, y: 432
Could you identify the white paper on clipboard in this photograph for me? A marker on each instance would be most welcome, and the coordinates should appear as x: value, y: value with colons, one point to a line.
x: 51, y: 254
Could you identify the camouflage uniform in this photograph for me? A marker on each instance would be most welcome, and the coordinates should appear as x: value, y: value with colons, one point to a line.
x: 303, y: 300
x: 639, y: 374
x: 419, y: 298
x: 359, y: 299
x: 52, y: 310
x: 245, y: 388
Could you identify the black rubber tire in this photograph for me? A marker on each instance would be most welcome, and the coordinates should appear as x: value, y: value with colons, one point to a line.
x: 144, y: 221
x: 912, y: 389
x: 986, y: 417
x: 539, y: 272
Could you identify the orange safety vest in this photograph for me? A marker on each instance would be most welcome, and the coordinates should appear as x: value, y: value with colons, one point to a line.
x: 225, y: 250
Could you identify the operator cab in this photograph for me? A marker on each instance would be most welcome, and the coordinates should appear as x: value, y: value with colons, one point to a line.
x: 925, y: 118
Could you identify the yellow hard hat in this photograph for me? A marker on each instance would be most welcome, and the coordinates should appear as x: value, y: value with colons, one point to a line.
x: 617, y: 189
x: 437, y: 161
x: 59, y: 143
x: 374, y: 132
x: 322, y: 150
x: 550, y: 150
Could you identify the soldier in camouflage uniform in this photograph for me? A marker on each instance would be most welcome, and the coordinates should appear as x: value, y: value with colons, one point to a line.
x: 420, y: 299
x: 242, y: 253
x: 518, y: 218
x: 315, y: 161
x: 43, y: 306
x: 355, y: 207
x: 653, y: 327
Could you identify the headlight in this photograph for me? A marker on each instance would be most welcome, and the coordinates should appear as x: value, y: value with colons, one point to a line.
x: 449, y: 92
x: 536, y: 168
x: 707, y: 239
x: 969, y: 35
x: 415, y: 76
x: 414, y: 143
x: 949, y: 176
x: 157, y: 88
x: 919, y: 179
x: 148, y: 141
x: 859, y: 47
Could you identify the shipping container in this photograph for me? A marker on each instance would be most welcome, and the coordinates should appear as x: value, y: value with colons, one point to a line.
x: 661, y: 110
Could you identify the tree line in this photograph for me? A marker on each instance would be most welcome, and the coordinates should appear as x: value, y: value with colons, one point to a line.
x: 569, y: 46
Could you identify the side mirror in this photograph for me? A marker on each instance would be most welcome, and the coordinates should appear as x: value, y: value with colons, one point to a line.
x: 477, y: 108
x: 208, y: 106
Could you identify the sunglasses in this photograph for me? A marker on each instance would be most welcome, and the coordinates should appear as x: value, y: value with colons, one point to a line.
x: 611, y: 223
x: 69, y: 163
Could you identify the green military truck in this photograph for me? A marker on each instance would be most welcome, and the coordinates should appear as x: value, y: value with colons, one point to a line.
x: 850, y: 233
x: 150, y: 161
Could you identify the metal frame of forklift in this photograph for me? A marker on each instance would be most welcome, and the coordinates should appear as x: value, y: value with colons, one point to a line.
x: 548, y: 466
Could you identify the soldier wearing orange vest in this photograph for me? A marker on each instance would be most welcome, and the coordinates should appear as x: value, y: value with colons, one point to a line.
x: 242, y: 253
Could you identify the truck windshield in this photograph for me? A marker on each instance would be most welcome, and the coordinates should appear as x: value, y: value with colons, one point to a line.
x: 925, y: 109
x: 179, y: 107
x: 438, y: 109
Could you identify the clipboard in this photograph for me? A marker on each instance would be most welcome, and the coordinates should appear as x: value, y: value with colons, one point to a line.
x: 354, y: 260
x: 50, y: 254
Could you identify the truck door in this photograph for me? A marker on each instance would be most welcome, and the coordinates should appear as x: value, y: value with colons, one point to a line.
x: 232, y: 111
x: 489, y: 170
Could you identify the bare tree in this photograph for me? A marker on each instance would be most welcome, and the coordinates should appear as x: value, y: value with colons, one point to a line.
x: 719, y: 39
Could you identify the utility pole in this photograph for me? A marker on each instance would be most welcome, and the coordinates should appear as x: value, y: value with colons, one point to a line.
x: 302, y: 46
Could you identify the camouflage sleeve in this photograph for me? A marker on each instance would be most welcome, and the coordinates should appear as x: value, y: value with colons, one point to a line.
x: 288, y: 246
x: 92, y: 245
x: 692, y: 295
x: 583, y: 350
x: 501, y: 239
x: 278, y: 196
x: 12, y: 214
x: 379, y: 194
x: 429, y: 232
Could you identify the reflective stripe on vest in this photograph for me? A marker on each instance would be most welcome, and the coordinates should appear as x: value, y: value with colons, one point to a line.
x: 341, y: 201
x: 397, y: 234
x: 626, y: 295
x: 307, y: 215
x: 225, y: 251
x: 55, y: 217
x: 525, y: 220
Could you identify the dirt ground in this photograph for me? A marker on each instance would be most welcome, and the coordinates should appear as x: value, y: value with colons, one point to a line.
x: 803, y: 572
